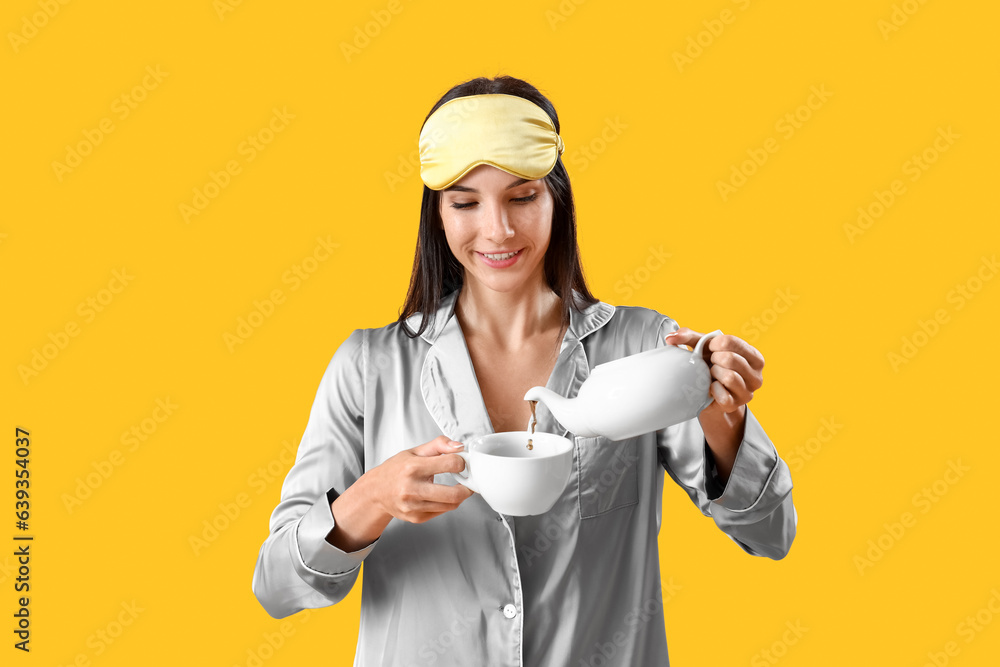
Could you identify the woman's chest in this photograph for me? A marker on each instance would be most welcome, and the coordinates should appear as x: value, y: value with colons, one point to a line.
x: 504, y: 379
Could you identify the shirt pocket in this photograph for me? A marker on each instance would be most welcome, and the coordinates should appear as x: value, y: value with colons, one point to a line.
x: 608, y: 474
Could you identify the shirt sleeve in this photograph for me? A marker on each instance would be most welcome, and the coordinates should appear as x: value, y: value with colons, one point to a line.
x: 297, y: 568
x: 754, y: 508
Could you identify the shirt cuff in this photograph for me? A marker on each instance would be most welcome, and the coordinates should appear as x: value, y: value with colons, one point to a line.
x: 315, y: 551
x: 756, y: 460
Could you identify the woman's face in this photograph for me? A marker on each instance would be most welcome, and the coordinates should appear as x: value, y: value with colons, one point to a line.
x: 491, y: 212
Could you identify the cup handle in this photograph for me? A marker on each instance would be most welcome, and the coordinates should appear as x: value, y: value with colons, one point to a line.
x: 696, y: 355
x: 465, y: 477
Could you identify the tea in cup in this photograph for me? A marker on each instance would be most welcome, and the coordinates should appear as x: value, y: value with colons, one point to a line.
x: 513, y: 479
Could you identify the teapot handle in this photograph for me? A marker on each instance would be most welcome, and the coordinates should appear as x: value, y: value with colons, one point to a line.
x: 696, y: 352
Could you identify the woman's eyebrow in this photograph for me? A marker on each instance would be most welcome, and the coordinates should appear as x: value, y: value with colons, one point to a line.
x: 462, y: 188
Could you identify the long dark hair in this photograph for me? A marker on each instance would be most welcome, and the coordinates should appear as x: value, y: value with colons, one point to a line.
x: 437, y: 273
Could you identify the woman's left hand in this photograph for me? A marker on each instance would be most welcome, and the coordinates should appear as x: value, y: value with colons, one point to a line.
x: 735, y: 365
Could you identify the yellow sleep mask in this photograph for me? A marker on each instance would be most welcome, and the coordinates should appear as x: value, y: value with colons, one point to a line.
x: 505, y: 131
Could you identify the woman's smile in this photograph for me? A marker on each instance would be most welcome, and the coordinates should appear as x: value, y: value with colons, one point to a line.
x: 500, y: 260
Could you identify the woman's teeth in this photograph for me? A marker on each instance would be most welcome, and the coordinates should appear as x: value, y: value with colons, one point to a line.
x: 498, y: 258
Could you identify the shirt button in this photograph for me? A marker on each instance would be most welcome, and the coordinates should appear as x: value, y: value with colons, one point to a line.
x: 510, y: 611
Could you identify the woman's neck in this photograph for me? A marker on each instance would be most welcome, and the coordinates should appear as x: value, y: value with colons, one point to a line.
x: 508, y: 320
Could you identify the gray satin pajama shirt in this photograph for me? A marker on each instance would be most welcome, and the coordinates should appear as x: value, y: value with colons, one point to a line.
x: 578, y: 585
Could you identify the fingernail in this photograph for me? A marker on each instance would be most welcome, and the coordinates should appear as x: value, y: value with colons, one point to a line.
x: 457, y: 444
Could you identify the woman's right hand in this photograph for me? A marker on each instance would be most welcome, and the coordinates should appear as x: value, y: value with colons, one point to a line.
x: 402, y: 486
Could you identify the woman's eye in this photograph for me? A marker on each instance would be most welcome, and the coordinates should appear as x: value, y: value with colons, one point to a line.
x: 520, y: 200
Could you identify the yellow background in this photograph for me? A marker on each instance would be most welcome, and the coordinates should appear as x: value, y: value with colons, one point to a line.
x: 652, y: 183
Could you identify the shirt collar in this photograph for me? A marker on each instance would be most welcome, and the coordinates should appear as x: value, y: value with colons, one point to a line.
x: 581, y: 323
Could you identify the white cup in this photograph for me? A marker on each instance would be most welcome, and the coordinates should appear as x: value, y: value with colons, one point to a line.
x: 513, y: 479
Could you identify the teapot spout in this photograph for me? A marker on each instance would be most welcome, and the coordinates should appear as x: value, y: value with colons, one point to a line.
x: 567, y: 411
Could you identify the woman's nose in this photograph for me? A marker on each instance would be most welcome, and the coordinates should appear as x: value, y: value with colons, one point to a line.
x: 498, y: 226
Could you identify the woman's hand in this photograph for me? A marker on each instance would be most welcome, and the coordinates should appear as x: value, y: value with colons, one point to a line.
x: 403, y: 485
x: 736, y: 368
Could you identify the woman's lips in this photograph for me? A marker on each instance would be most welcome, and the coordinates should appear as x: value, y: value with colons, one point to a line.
x: 501, y: 263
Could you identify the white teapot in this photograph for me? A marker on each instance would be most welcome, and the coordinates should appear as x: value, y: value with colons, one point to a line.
x: 635, y: 394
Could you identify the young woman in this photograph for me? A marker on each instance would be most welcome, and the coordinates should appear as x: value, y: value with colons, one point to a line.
x: 498, y: 304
